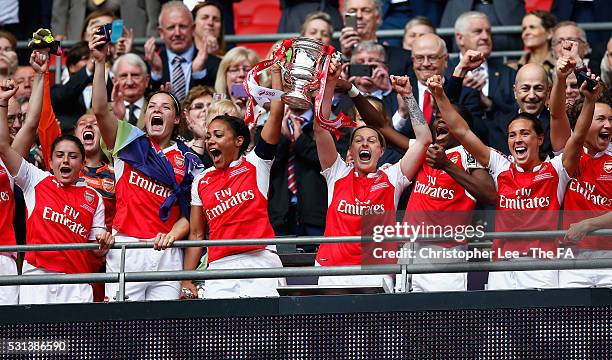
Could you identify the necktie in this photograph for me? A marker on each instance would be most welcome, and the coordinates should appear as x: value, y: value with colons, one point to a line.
x: 132, y: 118
x: 291, y: 181
x: 179, y: 85
x: 427, y: 108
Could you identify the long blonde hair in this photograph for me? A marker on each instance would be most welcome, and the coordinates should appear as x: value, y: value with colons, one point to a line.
x: 234, y: 56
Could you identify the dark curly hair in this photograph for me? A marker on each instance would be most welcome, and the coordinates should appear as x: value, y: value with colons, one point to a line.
x: 238, y: 127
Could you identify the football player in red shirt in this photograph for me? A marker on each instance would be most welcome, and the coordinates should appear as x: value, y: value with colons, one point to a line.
x: 231, y: 199
x: 530, y: 190
x: 359, y: 189
x: 61, y: 209
x: 589, y: 193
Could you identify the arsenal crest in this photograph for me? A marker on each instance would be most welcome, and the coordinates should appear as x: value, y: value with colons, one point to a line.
x: 108, y: 185
x: 179, y: 160
x: 89, y: 197
x: 607, y: 166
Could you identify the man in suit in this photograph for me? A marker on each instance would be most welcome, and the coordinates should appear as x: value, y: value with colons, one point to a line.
x: 430, y: 57
x: 493, y: 79
x: 499, y: 12
x: 179, y: 62
x: 129, y: 85
x: 368, y: 14
x: 531, y: 90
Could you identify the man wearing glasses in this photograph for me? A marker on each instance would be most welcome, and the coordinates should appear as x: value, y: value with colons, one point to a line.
x: 430, y: 57
x: 569, y: 30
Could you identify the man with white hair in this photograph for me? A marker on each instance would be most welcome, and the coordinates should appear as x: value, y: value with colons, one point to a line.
x: 569, y: 30
x: 493, y: 79
x: 368, y: 14
x: 130, y: 82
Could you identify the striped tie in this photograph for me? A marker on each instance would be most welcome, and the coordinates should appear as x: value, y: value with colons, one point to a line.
x: 179, y: 85
x: 291, y: 183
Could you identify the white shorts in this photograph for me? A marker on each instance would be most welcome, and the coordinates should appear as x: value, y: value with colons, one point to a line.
x: 137, y: 260
x: 435, y: 281
x: 587, y: 277
x: 236, y: 288
x: 537, y: 279
x: 356, y: 280
x: 53, y: 293
x: 9, y: 294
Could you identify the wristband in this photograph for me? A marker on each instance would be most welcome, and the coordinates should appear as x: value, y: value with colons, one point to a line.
x: 354, y: 92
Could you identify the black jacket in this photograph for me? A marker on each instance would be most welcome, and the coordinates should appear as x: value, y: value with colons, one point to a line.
x: 212, y: 65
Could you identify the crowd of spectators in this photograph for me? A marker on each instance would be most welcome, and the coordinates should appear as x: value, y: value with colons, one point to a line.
x: 202, y: 75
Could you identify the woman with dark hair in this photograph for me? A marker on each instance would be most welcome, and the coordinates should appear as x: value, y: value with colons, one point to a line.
x: 360, y: 188
x: 153, y: 175
x: 231, y: 200
x: 530, y: 190
x: 537, y: 33
x: 209, y: 32
x: 61, y: 207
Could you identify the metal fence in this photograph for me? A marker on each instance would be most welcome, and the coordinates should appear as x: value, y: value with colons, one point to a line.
x: 404, y: 269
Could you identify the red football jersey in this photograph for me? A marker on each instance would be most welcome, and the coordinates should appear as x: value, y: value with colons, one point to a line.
x: 590, y: 195
x: 139, y: 198
x: 59, y: 214
x: 7, y: 207
x: 527, y: 200
x: 235, y: 203
x: 437, y: 199
x: 349, y: 198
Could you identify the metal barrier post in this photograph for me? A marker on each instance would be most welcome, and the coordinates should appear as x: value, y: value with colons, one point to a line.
x: 121, y: 291
x: 404, y: 278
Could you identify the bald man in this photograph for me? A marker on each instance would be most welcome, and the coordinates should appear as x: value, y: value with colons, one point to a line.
x: 430, y: 57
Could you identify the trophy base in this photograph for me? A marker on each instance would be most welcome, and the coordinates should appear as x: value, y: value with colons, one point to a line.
x: 296, y: 102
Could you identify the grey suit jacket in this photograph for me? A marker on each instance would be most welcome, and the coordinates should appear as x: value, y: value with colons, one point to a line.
x: 509, y: 12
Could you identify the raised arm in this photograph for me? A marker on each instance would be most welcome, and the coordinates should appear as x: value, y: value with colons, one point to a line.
x: 271, y: 131
x: 573, y: 148
x: 12, y: 159
x: 578, y: 230
x: 326, y: 147
x: 477, y: 181
x: 107, y: 122
x: 456, y: 124
x: 412, y: 159
x: 27, y: 134
x: 559, y: 123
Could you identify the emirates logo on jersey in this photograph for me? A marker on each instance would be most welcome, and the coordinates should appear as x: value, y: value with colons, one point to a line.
x: 89, y: 197
x: 179, y: 160
x: 607, y: 166
x: 108, y: 185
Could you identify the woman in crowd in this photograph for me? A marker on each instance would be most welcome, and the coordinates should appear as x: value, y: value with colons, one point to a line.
x: 230, y: 200
x: 233, y: 70
x: 209, y: 32
x: 61, y: 208
x: 8, y: 56
x: 153, y: 176
x: 360, y: 187
x: 318, y: 25
x: 530, y: 190
x: 537, y: 34
x: 416, y: 27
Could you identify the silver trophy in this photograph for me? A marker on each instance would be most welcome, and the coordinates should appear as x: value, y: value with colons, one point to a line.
x: 303, y: 67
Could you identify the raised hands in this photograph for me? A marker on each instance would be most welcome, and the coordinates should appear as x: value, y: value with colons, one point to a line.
x: 117, y: 101
x: 349, y: 38
x: 199, y: 62
x: 567, y: 62
x: 152, y: 57
x: 401, y: 85
x: 470, y: 61
x: 436, y: 157
x: 8, y: 89
x: 39, y: 60
x: 98, y: 45
x: 591, y: 95
x: 10, y: 58
x: 125, y: 42
x: 434, y: 84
